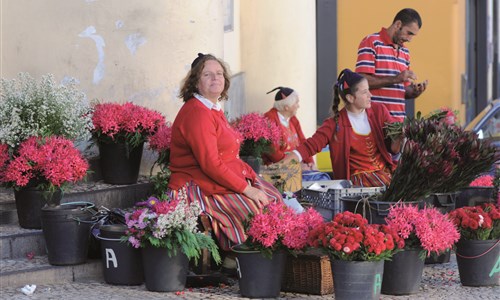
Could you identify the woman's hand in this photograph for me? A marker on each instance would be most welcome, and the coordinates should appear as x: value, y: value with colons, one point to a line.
x: 309, y: 167
x: 258, y: 196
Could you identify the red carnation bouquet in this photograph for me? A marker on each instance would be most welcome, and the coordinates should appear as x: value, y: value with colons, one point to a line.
x: 47, y: 163
x: 258, y: 134
x: 349, y: 237
x: 279, y: 227
x: 480, y: 222
x: 426, y: 228
x: 128, y: 123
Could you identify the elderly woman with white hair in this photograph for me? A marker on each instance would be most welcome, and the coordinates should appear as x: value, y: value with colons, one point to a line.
x: 286, y: 104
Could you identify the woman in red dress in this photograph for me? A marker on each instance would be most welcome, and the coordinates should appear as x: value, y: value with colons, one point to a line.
x: 355, y: 134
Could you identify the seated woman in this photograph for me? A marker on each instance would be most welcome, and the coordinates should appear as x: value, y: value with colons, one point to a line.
x: 204, y: 155
x: 355, y: 135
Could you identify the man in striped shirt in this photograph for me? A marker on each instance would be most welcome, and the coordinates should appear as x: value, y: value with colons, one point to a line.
x: 385, y: 62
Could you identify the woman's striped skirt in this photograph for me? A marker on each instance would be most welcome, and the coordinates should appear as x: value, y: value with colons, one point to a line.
x: 228, y: 211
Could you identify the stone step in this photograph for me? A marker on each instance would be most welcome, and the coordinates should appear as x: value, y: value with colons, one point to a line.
x: 37, y: 270
x: 17, y: 242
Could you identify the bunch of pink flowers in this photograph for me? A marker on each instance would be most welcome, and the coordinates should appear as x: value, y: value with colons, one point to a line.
x: 280, y: 227
x: 127, y: 122
x: 51, y: 162
x: 258, y: 134
x: 426, y: 228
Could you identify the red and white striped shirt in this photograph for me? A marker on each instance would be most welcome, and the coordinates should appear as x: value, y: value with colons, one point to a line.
x: 379, y: 56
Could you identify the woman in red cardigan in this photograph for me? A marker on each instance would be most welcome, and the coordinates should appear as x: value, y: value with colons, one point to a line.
x: 204, y: 155
x: 355, y: 134
x: 286, y: 104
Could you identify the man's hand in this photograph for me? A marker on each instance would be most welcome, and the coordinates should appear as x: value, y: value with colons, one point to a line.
x: 416, y: 89
x: 406, y: 75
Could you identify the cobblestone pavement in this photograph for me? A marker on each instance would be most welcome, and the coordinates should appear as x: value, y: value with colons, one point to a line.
x: 439, y: 281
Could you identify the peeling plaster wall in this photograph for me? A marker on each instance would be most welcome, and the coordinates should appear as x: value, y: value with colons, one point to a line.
x: 118, y: 50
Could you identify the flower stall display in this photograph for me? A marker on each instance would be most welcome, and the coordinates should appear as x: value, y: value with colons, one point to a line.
x: 423, y: 232
x: 160, y: 143
x: 120, y: 131
x: 357, y: 251
x: 167, y: 233
x: 42, y: 108
x: 271, y: 234
x: 436, y: 158
x: 478, y: 250
x: 258, y: 134
x: 37, y: 171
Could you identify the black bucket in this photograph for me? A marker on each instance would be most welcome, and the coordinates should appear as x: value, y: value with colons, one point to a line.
x: 66, y: 229
x: 371, y: 209
x: 357, y: 279
x: 259, y: 276
x: 29, y: 203
x: 475, y: 195
x: 120, y: 164
x: 438, y: 258
x: 122, y: 263
x: 444, y: 202
x: 163, y: 273
x: 479, y: 262
x: 403, y: 274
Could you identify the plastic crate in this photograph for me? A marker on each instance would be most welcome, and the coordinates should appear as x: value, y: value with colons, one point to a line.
x: 327, y: 201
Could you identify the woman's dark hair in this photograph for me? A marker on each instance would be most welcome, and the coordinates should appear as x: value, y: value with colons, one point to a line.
x: 408, y: 16
x: 347, y: 84
x: 190, y: 82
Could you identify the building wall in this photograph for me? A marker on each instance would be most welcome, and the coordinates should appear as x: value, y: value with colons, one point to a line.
x: 437, y: 52
x: 278, y: 48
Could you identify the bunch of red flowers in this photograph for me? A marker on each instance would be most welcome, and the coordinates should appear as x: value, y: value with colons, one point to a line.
x: 160, y: 142
x: 480, y: 222
x: 48, y: 163
x: 279, y: 227
x: 426, y: 228
x: 349, y: 237
x: 127, y: 122
x: 258, y: 134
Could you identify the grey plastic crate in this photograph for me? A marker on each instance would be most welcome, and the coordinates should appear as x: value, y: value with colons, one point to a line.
x: 327, y: 202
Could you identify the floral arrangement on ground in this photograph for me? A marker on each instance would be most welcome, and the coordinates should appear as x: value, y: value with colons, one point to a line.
x: 279, y: 227
x: 160, y: 142
x: 170, y: 224
x: 427, y: 229
x: 45, y: 163
x: 481, y: 222
x: 124, y: 123
x: 258, y: 134
x: 349, y: 237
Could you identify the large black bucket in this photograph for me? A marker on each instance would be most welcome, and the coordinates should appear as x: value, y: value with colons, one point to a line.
x: 479, y: 262
x: 259, y: 276
x: 475, y: 195
x: 373, y: 210
x: 403, y: 274
x: 66, y: 229
x: 444, y: 202
x: 122, y: 263
x: 29, y: 203
x: 163, y: 273
x: 357, y: 279
x: 120, y: 163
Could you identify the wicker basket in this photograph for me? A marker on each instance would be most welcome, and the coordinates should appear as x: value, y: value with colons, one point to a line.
x: 309, y: 273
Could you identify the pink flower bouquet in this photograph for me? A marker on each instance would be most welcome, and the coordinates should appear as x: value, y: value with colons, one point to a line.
x: 258, y: 134
x: 279, y: 227
x: 128, y: 123
x: 170, y: 224
x: 426, y: 228
x: 46, y: 163
x: 349, y: 237
x: 160, y: 143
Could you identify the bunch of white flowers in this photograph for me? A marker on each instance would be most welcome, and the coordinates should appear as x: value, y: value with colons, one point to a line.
x: 31, y: 108
x: 184, y: 217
